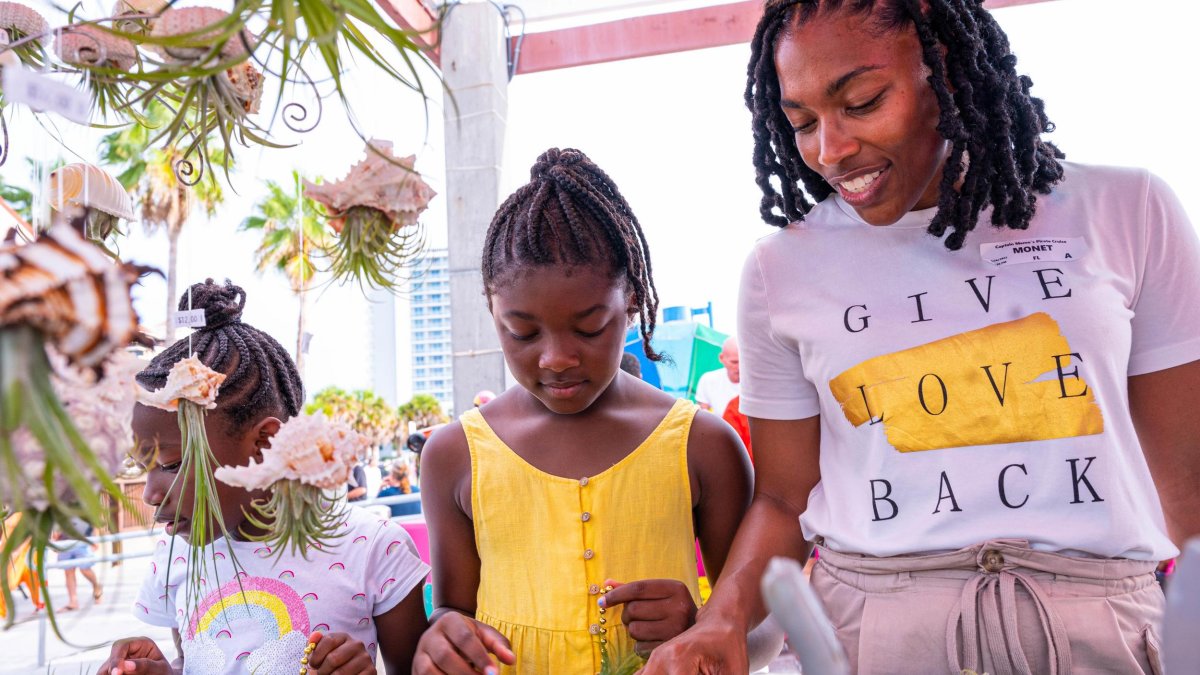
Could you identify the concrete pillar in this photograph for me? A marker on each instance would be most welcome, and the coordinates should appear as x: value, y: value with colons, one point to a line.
x: 475, y: 69
x: 384, y: 347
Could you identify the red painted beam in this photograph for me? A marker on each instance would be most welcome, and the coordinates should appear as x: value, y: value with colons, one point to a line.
x: 651, y: 35
x: 415, y: 18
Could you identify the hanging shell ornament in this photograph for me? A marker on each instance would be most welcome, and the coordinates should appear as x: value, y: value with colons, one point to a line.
x: 374, y: 210
x: 83, y: 186
x: 192, y: 41
x: 18, y: 22
x: 66, y: 288
x: 91, y: 46
x: 245, y: 85
x: 141, y: 14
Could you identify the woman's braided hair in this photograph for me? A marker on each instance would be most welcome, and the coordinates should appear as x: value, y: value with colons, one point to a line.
x: 986, y: 113
x: 570, y: 212
x: 261, y: 379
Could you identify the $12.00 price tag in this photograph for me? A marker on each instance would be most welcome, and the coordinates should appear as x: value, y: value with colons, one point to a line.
x: 192, y: 318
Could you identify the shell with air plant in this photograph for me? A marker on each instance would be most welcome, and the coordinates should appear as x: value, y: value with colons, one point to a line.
x: 136, y: 16
x: 309, y: 458
x: 18, y: 22
x: 374, y: 211
x: 88, y: 45
x: 59, y: 291
x: 89, y: 187
x: 190, y: 34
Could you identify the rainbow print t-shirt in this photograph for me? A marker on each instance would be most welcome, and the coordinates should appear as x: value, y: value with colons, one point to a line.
x: 257, y: 619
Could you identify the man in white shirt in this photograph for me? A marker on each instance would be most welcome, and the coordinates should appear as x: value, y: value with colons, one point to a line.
x: 717, y: 388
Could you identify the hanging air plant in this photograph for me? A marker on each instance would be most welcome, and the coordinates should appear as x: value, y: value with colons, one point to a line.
x: 104, y: 57
x: 374, y: 211
x: 58, y: 443
x: 17, y: 23
x: 310, y: 457
x: 106, y: 201
x: 191, y: 390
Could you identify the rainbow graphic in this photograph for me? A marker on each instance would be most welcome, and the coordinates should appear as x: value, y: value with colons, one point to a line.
x: 323, y: 627
x: 272, y: 604
x: 287, y: 574
x: 359, y: 596
x: 309, y: 596
x: 393, y: 545
x: 360, y: 538
x: 337, y: 566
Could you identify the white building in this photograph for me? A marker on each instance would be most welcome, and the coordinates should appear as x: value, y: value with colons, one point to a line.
x: 432, y: 370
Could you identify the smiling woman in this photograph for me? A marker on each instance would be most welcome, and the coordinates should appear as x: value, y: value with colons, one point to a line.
x: 1018, y: 419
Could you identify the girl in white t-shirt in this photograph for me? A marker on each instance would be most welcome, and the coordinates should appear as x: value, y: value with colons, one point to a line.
x: 987, y: 431
x: 359, y: 594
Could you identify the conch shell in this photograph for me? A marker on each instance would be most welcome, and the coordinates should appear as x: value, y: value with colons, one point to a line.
x: 382, y: 181
x: 189, y: 20
x: 88, y: 45
x: 73, y: 293
x: 246, y: 85
x: 18, y: 21
x: 189, y: 379
x: 307, y: 448
x: 86, y: 186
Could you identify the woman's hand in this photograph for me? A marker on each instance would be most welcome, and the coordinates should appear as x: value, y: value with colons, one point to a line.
x: 656, y: 610
x: 456, y: 644
x: 712, y: 647
x: 338, y: 652
x: 135, y: 656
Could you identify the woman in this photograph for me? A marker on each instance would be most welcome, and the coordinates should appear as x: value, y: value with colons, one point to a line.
x: 984, y: 430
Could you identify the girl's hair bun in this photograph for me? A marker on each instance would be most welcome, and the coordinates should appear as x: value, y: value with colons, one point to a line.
x: 552, y: 158
x: 222, y: 304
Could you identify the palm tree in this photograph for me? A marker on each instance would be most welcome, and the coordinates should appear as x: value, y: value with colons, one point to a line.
x: 293, y: 236
x: 151, y: 175
x: 424, y: 410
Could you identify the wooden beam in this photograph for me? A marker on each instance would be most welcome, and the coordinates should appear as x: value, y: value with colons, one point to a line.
x: 650, y: 35
x: 415, y: 18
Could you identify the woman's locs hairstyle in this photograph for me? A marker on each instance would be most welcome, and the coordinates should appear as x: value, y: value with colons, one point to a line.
x: 986, y: 113
x: 570, y: 212
x: 261, y: 378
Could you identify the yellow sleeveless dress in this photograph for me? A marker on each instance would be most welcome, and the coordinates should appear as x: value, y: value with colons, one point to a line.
x: 547, y: 543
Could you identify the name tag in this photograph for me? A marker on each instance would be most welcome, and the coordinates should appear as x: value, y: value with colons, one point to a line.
x: 1033, y: 250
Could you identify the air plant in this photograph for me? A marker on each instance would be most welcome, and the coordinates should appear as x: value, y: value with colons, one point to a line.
x: 627, y: 665
x: 191, y: 390
x: 309, y: 458
x: 106, y: 201
x: 374, y: 211
x: 104, y: 57
x: 26, y: 28
x: 57, y: 442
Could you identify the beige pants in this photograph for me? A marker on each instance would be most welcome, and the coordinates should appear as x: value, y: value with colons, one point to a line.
x: 999, y: 608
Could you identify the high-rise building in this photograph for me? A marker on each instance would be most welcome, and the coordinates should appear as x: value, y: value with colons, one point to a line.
x: 432, y: 355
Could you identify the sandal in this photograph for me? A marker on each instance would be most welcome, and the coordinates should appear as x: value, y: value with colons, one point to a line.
x: 97, y: 592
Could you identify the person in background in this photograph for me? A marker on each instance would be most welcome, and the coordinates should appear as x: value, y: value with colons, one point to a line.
x: 397, y: 483
x: 356, y: 487
x: 716, y: 388
x: 416, y: 443
x: 78, y: 550
x: 483, y: 398
x: 740, y: 423
x: 631, y: 365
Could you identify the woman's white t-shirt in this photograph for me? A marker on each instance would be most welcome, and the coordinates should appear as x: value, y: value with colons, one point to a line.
x: 982, y: 393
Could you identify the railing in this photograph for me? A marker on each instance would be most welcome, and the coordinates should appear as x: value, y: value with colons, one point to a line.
x: 151, y: 532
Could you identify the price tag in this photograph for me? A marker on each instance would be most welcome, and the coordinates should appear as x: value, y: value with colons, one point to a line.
x: 305, y: 342
x: 192, y: 318
x: 41, y: 93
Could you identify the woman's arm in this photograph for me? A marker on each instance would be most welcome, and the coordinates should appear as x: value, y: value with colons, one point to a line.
x: 786, y: 469
x: 1162, y: 405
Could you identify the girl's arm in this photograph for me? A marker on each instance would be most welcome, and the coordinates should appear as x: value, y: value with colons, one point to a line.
x: 787, y: 467
x: 455, y: 642
x: 1162, y: 406
x: 399, y: 630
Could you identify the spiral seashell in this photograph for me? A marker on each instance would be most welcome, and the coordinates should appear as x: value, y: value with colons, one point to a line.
x: 182, y: 21
x: 19, y: 21
x: 88, y: 45
x: 246, y: 83
x: 65, y: 287
x: 87, y: 186
x: 382, y: 181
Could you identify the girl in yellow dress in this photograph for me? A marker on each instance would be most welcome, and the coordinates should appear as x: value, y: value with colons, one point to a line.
x: 542, y: 501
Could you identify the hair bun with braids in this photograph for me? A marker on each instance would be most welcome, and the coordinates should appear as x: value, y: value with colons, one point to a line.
x: 543, y: 168
x: 222, y: 305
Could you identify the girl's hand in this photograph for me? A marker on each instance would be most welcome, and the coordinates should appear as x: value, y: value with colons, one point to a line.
x: 135, y: 656
x: 656, y: 610
x: 458, y: 645
x: 338, y: 652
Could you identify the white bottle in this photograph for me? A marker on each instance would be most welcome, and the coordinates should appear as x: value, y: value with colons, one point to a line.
x: 1181, y: 623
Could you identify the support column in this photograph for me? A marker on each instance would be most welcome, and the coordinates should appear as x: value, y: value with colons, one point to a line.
x: 475, y: 69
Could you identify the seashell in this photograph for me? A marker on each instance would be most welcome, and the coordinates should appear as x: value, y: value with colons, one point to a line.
x: 65, y: 287
x: 382, y: 181
x: 246, y: 85
x: 137, y: 8
x: 19, y: 21
x: 89, y: 45
x: 87, y: 186
x: 189, y: 380
x: 183, y: 21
